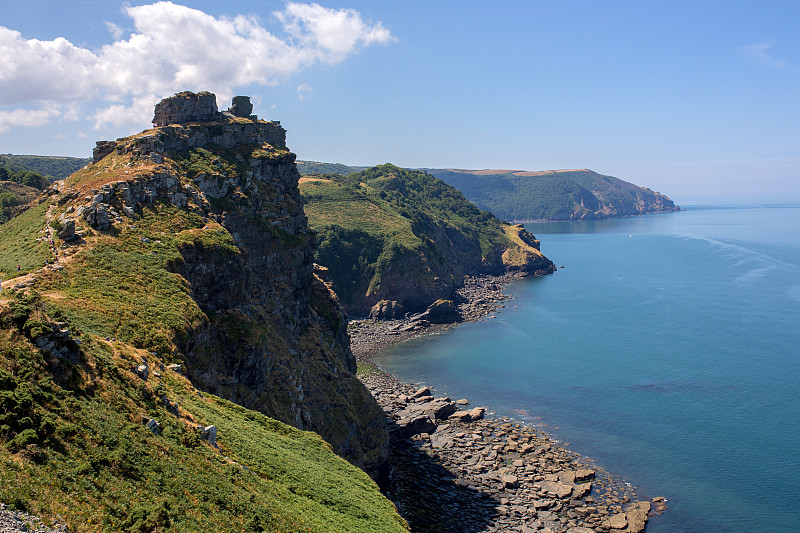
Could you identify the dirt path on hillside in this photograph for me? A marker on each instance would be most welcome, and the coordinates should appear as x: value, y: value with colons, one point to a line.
x: 62, y: 256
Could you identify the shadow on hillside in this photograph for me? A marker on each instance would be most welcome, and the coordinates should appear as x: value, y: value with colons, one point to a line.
x: 427, y: 496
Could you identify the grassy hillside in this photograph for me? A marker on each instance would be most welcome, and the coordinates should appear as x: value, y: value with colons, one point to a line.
x: 314, y: 167
x: 14, y: 195
x: 553, y: 195
x: 51, y: 167
x: 184, y: 245
x: 74, y: 446
x: 21, y: 244
x: 403, y: 235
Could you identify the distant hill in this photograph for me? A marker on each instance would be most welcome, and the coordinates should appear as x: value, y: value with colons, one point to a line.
x: 52, y: 167
x: 403, y: 236
x: 553, y: 195
x: 314, y: 167
x: 13, y: 195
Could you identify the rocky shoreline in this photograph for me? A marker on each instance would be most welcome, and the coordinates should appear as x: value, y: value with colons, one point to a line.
x: 13, y: 521
x: 479, y: 297
x: 453, y: 469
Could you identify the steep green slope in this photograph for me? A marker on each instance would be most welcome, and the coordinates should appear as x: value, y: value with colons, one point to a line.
x: 400, y: 235
x: 52, y: 167
x: 553, y: 195
x: 74, y: 445
x: 21, y: 244
x: 183, y: 244
x: 12, y: 196
x: 315, y: 167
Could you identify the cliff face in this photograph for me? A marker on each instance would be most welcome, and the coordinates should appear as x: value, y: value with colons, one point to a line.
x: 400, y: 239
x: 267, y: 332
x: 554, y: 195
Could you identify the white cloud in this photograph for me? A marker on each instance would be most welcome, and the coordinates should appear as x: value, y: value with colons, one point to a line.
x: 304, y: 91
x: 761, y: 52
x: 44, y: 71
x: 114, y: 30
x: 330, y: 34
x: 174, y: 48
x: 27, y: 117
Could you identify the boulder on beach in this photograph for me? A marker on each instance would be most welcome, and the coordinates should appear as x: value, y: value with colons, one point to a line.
x: 414, y: 425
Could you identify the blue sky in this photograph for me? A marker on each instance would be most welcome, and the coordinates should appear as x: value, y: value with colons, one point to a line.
x: 694, y: 99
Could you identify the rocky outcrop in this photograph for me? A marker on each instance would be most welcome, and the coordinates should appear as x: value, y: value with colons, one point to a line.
x: 481, y: 474
x: 186, y: 107
x: 189, y: 107
x: 275, y: 336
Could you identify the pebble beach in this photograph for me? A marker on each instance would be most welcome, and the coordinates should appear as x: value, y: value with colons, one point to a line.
x: 457, y: 468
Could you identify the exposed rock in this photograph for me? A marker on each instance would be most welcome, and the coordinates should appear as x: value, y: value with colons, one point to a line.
x: 209, y: 433
x: 437, y: 409
x: 67, y: 233
x: 414, y: 425
x: 142, y: 371
x: 303, y: 374
x: 241, y: 106
x: 386, y: 310
x: 421, y: 392
x: 98, y: 216
x: 476, y: 413
x: 102, y: 149
x: 152, y: 425
x: 21, y: 522
x: 489, y: 475
x: 636, y: 515
x: 440, y: 311
x: 186, y: 107
x: 618, y: 521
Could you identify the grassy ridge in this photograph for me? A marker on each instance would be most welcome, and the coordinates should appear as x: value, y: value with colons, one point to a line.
x: 18, y: 244
x: 13, y: 196
x: 314, y: 167
x: 72, y: 441
x: 73, y: 446
x: 387, y: 226
x: 554, y: 195
x: 142, y: 303
x: 51, y: 167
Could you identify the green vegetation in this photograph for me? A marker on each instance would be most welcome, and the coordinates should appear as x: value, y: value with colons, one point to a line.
x: 73, y: 441
x: 19, y: 245
x: 12, y: 196
x: 143, y: 303
x: 313, y: 167
x: 385, y: 218
x: 51, y: 167
x: 556, y: 195
x: 24, y: 177
x: 73, y: 445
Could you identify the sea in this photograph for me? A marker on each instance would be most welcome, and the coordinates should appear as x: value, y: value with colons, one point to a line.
x: 666, y: 348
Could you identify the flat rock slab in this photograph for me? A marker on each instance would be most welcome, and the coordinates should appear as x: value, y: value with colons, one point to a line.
x: 618, y: 521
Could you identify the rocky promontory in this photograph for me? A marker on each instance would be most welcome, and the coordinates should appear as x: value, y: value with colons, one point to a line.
x: 399, y: 242
x: 212, y: 198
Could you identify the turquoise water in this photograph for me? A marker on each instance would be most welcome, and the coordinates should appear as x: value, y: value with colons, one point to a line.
x: 667, y: 349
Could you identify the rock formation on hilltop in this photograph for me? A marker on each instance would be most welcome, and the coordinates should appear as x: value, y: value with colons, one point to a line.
x: 214, y: 195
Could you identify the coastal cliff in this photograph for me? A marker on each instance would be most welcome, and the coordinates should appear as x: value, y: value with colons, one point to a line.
x: 197, y: 226
x: 579, y: 194
x: 400, y: 241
